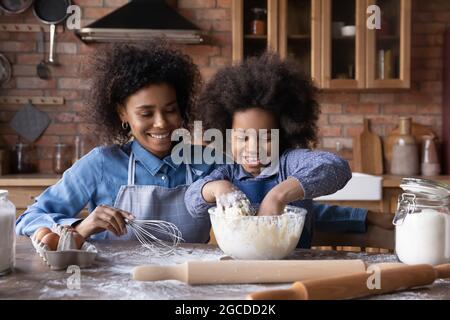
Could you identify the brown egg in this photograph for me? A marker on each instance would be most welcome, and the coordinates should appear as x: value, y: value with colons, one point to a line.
x: 41, y: 232
x: 51, y: 240
x: 79, y: 240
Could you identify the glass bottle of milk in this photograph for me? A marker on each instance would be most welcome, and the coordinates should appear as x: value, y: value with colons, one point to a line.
x: 7, y: 233
x: 422, y: 232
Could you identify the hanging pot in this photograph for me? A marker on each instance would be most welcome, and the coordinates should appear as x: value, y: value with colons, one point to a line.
x: 51, y: 12
x: 15, y: 6
x: 5, y: 70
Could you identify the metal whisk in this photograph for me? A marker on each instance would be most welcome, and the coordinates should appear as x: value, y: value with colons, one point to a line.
x: 146, y: 231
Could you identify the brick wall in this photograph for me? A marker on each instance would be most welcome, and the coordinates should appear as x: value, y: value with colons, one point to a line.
x: 343, y: 112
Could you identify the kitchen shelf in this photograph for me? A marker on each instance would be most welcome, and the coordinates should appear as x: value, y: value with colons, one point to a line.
x: 33, y: 100
x: 299, y: 37
x: 255, y: 37
x: 27, y: 27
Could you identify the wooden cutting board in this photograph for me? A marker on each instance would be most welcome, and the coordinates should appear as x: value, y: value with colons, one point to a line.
x: 367, y: 152
x: 417, y: 130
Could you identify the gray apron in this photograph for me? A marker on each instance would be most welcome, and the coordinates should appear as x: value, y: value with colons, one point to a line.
x: 148, y: 202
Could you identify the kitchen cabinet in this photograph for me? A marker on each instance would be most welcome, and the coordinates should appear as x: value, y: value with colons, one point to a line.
x: 23, y: 189
x: 331, y: 40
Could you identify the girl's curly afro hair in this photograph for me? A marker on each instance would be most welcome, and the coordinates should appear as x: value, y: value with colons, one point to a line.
x: 120, y: 70
x: 271, y: 84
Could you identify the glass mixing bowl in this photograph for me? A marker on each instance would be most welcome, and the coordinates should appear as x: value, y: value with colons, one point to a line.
x: 258, y: 237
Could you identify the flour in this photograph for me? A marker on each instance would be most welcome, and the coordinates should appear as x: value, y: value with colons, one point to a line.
x: 258, y: 238
x: 7, y: 234
x: 235, y: 204
x: 424, y: 238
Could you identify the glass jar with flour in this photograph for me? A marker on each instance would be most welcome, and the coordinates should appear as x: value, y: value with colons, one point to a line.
x: 7, y: 234
x: 422, y: 232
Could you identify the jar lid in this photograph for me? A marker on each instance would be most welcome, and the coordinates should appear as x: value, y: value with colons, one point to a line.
x: 3, y: 193
x: 427, y: 188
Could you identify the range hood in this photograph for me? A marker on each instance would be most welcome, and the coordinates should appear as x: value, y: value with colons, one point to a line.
x: 141, y: 20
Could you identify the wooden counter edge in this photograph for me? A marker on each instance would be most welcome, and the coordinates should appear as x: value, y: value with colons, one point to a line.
x: 391, y: 181
x: 32, y: 180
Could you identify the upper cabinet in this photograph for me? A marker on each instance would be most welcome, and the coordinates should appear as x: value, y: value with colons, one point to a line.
x: 341, y: 44
x: 388, y: 51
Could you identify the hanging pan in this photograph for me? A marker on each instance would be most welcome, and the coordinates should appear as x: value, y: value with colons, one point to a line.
x: 5, y: 70
x: 51, y: 12
x: 15, y: 6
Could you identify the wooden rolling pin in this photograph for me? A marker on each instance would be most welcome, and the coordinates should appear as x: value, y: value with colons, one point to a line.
x: 355, y: 286
x: 235, y: 271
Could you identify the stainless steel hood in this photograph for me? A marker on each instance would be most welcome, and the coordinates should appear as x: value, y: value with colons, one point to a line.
x: 141, y: 20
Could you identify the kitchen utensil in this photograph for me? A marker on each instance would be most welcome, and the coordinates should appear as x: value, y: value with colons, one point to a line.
x: 15, y: 6
x: 51, y: 12
x: 7, y: 233
x: 146, y: 231
x: 417, y: 130
x: 405, y: 152
x: 61, y: 158
x: 430, y: 165
x: 337, y: 28
x: 367, y: 152
x: 5, y: 70
x: 25, y: 158
x: 30, y: 122
x: 42, y: 69
x: 235, y: 271
x: 4, y: 162
x: 348, y: 31
x: 258, y: 237
x: 422, y: 222
x: 356, y: 285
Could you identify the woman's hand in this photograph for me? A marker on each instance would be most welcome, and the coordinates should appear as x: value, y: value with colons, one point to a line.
x: 276, y: 199
x: 104, y: 218
x: 214, y: 189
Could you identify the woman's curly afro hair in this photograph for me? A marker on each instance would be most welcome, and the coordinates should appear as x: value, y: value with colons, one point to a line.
x: 120, y: 70
x: 269, y: 83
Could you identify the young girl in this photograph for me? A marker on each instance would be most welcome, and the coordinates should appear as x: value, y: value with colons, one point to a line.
x: 266, y: 93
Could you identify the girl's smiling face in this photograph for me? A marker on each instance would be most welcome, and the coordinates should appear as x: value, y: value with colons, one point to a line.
x: 153, y: 114
x: 247, y: 126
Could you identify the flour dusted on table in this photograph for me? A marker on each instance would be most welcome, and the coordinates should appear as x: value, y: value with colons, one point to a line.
x: 7, y: 233
x: 424, y: 237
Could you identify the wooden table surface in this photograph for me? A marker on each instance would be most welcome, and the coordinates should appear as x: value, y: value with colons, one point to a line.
x: 110, y: 277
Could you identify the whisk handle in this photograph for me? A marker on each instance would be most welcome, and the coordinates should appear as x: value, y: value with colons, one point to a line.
x: 158, y: 273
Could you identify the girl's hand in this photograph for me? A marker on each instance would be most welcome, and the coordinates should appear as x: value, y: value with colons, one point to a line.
x: 104, y: 218
x: 276, y: 200
x: 214, y: 189
x: 272, y: 205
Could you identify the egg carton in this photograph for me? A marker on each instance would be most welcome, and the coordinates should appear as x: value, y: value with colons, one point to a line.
x: 66, y: 254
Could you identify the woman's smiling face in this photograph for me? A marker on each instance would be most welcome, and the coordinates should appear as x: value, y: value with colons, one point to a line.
x: 153, y: 114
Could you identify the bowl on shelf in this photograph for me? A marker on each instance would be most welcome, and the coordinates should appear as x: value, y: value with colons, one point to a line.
x: 348, y: 31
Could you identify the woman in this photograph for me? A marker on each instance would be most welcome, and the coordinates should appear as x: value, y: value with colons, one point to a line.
x: 145, y: 92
